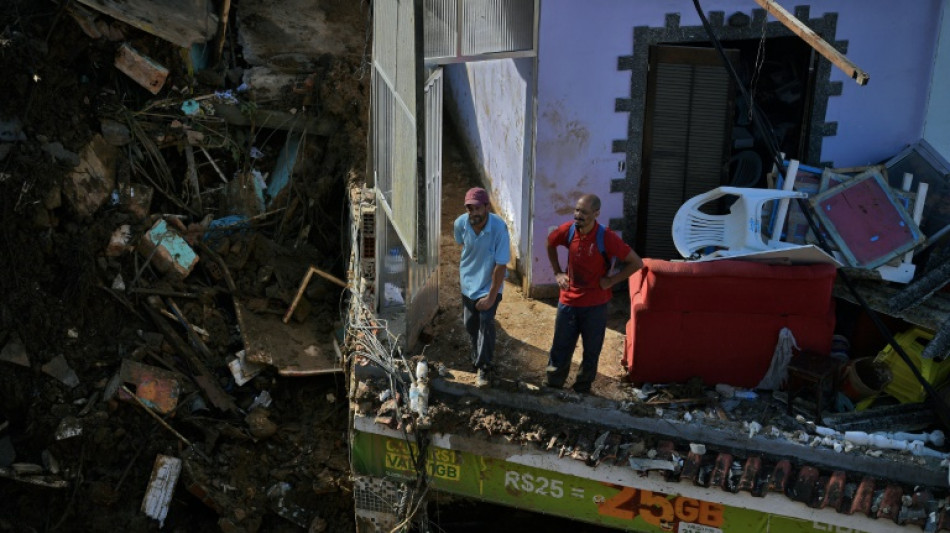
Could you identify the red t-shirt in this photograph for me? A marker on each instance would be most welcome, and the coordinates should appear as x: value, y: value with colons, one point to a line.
x: 585, y: 264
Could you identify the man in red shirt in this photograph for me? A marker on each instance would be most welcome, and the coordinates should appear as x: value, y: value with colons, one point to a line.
x: 585, y: 290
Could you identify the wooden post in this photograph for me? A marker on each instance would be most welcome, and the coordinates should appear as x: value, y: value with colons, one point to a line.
x: 303, y: 287
x: 223, y: 30
x: 815, y: 41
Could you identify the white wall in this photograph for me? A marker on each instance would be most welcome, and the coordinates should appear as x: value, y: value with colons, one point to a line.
x: 937, y: 121
x: 489, y: 102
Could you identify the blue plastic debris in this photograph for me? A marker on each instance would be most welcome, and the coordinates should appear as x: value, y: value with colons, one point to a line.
x: 226, y: 96
x: 190, y: 107
x: 223, y: 227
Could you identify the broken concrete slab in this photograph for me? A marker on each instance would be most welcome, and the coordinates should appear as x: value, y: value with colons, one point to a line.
x: 295, y: 350
x: 168, y: 250
x: 161, y: 487
x: 91, y: 183
x: 59, y: 369
x: 182, y: 22
x: 14, y: 352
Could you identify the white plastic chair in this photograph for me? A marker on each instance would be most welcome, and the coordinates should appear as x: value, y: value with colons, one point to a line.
x: 740, y: 231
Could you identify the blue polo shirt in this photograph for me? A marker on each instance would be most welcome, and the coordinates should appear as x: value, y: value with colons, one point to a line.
x: 480, y: 254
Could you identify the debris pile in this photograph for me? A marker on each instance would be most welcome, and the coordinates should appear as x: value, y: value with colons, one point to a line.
x: 159, y: 315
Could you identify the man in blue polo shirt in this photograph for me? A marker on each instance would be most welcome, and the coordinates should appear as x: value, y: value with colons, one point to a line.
x: 485, y: 252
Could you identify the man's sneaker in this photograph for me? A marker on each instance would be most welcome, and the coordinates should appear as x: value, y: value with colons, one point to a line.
x: 482, y: 380
x: 581, y: 388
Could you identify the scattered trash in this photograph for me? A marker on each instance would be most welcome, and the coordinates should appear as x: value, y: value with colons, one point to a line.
x: 190, y: 107
x: 68, y: 427
x: 156, y: 388
x: 161, y: 487
x: 261, y: 400
x: 242, y: 370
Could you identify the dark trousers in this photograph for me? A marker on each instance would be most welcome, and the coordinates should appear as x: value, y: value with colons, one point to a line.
x: 481, y: 329
x: 589, y: 323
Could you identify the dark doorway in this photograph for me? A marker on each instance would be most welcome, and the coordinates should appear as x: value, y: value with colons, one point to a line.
x: 697, y: 129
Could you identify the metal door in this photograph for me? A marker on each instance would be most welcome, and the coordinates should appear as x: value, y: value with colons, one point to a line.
x: 425, y: 274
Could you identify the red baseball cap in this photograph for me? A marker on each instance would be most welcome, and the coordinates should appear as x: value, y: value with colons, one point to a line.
x: 476, y: 195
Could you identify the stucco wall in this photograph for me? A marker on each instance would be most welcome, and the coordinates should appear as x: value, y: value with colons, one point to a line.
x: 489, y: 102
x: 579, y: 84
x: 937, y: 121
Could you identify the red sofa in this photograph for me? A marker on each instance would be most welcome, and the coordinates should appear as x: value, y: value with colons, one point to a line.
x: 720, y: 320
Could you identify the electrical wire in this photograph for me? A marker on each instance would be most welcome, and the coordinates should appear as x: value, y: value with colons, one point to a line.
x: 367, y: 336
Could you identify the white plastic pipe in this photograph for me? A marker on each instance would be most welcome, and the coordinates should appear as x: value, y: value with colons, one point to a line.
x: 783, y: 203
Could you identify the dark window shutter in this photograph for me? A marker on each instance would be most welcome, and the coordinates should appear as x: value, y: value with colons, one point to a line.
x: 686, y: 137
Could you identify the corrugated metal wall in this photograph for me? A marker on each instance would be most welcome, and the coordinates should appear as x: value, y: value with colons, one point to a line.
x: 394, y: 125
x: 461, y: 30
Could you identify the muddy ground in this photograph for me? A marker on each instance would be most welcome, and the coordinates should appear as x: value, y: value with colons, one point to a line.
x: 525, y: 326
x: 75, y: 454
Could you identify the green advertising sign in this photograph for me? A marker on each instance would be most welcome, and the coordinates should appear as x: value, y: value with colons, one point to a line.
x: 555, y: 493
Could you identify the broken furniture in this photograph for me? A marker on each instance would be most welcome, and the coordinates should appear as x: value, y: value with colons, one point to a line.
x: 815, y: 372
x: 899, y: 269
x: 737, y: 232
x: 867, y: 224
x: 719, y: 320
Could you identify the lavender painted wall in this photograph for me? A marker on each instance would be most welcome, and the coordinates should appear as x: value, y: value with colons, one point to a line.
x: 578, y: 84
x: 937, y: 121
x: 488, y: 100
x: 894, y: 41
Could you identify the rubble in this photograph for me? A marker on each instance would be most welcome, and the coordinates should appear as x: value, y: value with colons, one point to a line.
x: 111, y: 358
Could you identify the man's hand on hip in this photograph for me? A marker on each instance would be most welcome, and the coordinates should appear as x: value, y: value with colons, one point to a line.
x: 485, y: 303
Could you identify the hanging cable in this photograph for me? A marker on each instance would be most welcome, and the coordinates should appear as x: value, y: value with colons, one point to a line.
x: 936, y: 402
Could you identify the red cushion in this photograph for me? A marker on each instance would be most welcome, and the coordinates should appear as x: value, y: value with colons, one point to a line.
x: 720, y: 320
x: 734, y: 286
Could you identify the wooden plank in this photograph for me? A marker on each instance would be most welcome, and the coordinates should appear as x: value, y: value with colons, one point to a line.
x: 182, y: 22
x: 815, y: 41
x: 140, y: 68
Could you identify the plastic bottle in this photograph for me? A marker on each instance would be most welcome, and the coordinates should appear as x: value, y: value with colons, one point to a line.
x: 422, y: 406
x: 414, y: 397
x: 422, y: 370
